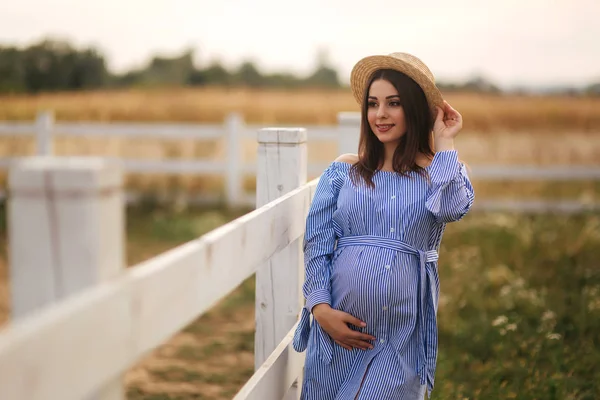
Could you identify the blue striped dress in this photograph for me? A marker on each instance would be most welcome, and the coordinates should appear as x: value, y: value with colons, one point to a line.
x: 373, y: 253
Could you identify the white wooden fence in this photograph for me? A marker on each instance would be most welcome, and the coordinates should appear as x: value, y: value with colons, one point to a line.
x: 80, y: 319
x: 234, y: 130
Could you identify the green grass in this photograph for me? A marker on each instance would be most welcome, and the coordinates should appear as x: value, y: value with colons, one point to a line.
x: 520, y: 308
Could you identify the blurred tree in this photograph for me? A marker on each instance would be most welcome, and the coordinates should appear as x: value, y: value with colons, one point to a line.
x: 52, y: 64
x: 593, y: 89
x: 324, y: 75
x: 55, y: 65
x: 169, y: 71
x: 89, y: 70
x: 12, y: 78
x: 283, y: 79
x: 248, y: 75
x: 480, y: 84
x: 214, y: 74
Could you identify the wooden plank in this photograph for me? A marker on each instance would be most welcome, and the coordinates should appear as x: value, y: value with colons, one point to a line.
x: 141, y: 130
x: 17, y: 128
x: 44, y: 124
x: 281, y: 161
x: 71, y: 211
x: 234, y: 160
x: 276, y: 375
x: 315, y: 133
x: 68, y: 350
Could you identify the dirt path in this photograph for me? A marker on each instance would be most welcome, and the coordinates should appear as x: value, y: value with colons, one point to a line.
x: 211, y: 359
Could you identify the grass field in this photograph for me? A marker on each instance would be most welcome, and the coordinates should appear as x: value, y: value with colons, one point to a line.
x: 519, y: 312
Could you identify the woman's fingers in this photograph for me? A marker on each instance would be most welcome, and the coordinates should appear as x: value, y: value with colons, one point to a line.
x: 359, y: 340
x: 361, y: 336
x: 451, y: 113
x: 440, y: 115
x: 350, y: 319
x: 347, y: 347
x: 361, y: 344
x: 350, y: 344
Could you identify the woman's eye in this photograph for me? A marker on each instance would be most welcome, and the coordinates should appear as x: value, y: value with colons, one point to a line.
x: 372, y: 104
x: 394, y: 103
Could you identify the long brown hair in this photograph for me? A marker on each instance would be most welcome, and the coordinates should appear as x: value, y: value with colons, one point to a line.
x: 417, y: 139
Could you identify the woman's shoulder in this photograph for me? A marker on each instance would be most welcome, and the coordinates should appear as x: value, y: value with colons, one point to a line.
x: 339, y: 168
x: 347, y: 158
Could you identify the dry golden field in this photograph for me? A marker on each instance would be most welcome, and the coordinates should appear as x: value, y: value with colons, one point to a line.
x: 512, y: 130
x: 482, y: 113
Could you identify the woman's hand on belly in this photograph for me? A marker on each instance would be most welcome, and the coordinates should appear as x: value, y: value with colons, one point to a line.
x: 335, y: 323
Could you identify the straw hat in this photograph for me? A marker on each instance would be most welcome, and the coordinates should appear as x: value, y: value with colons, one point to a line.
x: 403, y: 62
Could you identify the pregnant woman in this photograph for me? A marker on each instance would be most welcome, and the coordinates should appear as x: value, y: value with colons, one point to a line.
x: 372, y: 238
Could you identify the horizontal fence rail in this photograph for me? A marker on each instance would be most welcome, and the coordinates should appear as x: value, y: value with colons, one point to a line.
x: 233, y: 169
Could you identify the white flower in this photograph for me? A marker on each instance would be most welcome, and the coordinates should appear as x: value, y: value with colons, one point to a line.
x: 501, y: 320
x: 511, y: 327
x: 553, y: 336
x: 505, y: 291
x: 548, y: 315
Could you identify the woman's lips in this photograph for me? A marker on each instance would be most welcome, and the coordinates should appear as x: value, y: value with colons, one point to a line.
x: 384, y: 127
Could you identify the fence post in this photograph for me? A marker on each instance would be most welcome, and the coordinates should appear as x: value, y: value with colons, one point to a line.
x: 233, y: 179
x: 281, y: 168
x: 349, y: 132
x: 65, y: 231
x: 44, y: 125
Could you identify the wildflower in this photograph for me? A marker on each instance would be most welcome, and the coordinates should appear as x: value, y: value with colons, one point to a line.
x: 511, y: 327
x: 501, y: 320
x: 505, y: 290
x: 548, y: 315
x: 553, y: 336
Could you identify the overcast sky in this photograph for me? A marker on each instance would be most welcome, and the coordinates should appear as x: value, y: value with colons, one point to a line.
x: 531, y: 42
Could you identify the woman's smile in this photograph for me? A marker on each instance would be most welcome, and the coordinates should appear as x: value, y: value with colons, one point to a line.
x: 382, y: 128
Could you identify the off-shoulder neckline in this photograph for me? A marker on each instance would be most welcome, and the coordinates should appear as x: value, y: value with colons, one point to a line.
x: 348, y: 165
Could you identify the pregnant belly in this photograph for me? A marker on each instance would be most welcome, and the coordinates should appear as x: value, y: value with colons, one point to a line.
x: 376, y: 286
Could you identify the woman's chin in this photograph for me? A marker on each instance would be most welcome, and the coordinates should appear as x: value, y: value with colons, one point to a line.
x: 385, y: 139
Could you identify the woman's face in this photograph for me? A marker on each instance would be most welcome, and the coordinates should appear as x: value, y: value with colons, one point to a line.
x: 384, y: 112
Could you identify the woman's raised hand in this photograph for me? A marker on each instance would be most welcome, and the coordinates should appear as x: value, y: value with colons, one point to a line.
x: 448, y: 123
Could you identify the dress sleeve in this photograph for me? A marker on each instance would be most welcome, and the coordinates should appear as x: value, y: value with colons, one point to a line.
x: 320, y: 237
x: 451, y: 194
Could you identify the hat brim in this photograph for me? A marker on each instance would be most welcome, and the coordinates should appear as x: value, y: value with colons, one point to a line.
x: 364, y: 69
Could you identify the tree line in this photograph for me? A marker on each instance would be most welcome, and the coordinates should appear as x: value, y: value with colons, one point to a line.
x: 55, y: 65
x: 52, y: 65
